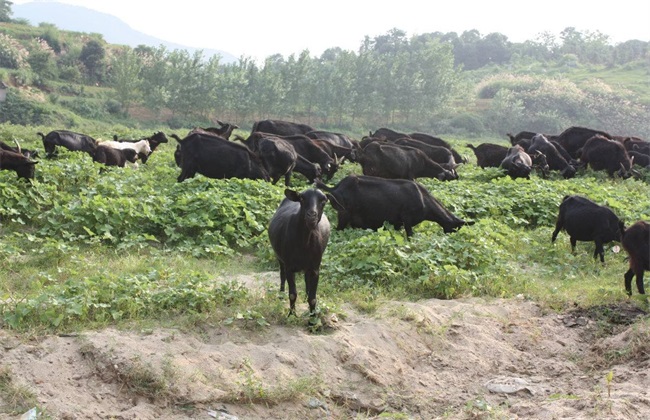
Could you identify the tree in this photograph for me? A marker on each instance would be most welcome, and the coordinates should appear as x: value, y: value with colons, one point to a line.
x: 438, y: 75
x: 125, y: 77
x: 184, y: 83
x: 5, y: 11
x: 495, y: 49
x: 92, y: 56
x: 631, y: 51
x: 333, y: 83
x: 234, y: 88
x: 154, y: 76
x: 297, y: 74
x: 271, y: 88
x: 392, y: 42
x: 465, y: 49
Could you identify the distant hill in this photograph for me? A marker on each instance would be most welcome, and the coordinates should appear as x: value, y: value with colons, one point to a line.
x: 114, y: 30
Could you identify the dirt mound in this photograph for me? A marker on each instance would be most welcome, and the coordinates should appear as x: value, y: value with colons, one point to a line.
x: 430, y: 359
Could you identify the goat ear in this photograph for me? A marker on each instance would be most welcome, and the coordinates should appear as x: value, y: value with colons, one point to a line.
x: 292, y: 195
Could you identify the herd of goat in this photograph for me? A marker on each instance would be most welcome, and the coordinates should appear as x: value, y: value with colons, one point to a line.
x: 386, y: 192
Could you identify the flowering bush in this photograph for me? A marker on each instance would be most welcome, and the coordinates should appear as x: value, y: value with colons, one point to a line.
x: 552, y: 105
x: 12, y: 54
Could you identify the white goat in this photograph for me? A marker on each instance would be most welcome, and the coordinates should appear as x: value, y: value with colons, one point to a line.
x: 141, y: 147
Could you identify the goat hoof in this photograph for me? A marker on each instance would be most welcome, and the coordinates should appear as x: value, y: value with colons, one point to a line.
x: 314, y: 321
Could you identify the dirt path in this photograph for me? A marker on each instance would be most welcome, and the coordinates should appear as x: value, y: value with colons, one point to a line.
x: 431, y: 359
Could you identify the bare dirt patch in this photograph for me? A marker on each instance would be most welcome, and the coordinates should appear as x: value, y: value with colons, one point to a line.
x: 469, y: 358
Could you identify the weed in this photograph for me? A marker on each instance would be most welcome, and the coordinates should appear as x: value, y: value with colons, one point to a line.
x: 252, y: 390
x: 609, y: 378
x: 142, y: 379
x: 16, y: 398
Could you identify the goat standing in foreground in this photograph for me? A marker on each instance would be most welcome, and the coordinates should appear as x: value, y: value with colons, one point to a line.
x: 299, y: 232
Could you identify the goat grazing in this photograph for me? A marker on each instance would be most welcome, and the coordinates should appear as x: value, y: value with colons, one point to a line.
x: 585, y: 220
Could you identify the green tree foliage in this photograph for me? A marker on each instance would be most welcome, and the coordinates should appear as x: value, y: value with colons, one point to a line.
x: 236, y: 95
x: 391, y: 79
x: 299, y: 72
x: 41, y: 59
x: 92, y: 56
x: 186, y: 83
x: 155, y: 77
x: 51, y: 35
x: 629, y: 51
x: 271, y: 87
x: 125, y: 77
x: 591, y: 47
x: 5, y: 10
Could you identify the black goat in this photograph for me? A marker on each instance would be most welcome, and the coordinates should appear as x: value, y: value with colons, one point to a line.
x: 299, y: 232
x: 489, y: 154
x: 636, y: 242
x: 585, y: 220
x: 114, y: 157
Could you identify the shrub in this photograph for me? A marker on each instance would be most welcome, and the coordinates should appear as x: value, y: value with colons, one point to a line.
x: 51, y: 35
x: 113, y: 107
x: 468, y: 122
x: 41, y: 59
x: 18, y: 110
x: 70, y: 73
x: 12, y: 54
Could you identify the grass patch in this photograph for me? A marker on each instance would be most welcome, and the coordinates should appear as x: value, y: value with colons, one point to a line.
x: 16, y: 399
x: 250, y: 389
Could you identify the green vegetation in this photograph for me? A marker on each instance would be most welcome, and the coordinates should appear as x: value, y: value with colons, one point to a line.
x: 15, y: 398
x: 466, y: 84
x: 82, y: 249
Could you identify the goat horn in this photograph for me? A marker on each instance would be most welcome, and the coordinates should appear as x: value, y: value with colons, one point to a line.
x: 18, y: 145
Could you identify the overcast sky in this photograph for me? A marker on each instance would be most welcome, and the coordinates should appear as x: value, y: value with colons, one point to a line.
x: 259, y: 28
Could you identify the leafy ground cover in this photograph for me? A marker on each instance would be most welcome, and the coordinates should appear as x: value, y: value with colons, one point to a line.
x: 59, y: 231
x: 131, y: 248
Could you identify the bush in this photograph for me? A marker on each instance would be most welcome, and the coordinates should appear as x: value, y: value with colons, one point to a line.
x: 12, y: 54
x: 85, y: 108
x: 51, y: 35
x: 176, y: 122
x: 70, y: 73
x: 551, y: 105
x: 18, y: 110
x: 114, y: 107
x: 41, y: 59
x: 468, y: 122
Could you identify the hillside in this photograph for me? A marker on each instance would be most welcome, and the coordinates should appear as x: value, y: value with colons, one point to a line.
x: 445, y: 84
x: 115, y: 31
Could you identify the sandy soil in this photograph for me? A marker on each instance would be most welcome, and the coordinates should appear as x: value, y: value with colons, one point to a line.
x: 469, y: 358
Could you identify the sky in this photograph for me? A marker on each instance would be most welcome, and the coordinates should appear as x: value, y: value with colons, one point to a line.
x: 260, y: 28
